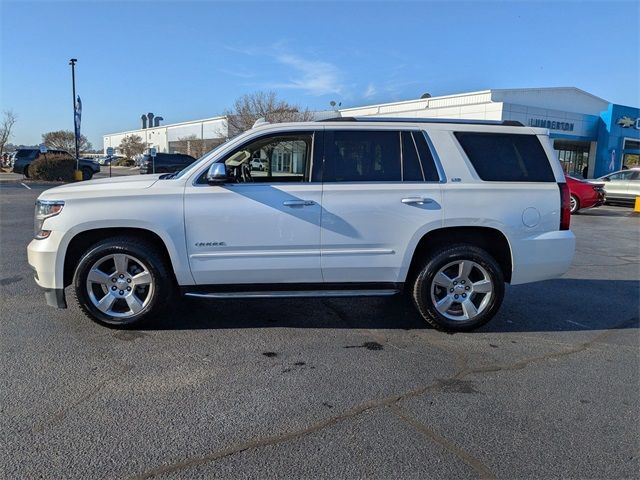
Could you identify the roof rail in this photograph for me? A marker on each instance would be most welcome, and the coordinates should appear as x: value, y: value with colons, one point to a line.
x: 457, y: 121
x: 340, y: 119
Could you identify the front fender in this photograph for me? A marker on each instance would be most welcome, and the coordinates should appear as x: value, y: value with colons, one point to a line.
x: 173, y: 240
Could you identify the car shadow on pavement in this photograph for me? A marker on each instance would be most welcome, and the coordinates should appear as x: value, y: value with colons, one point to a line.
x: 550, y: 306
x: 618, y: 211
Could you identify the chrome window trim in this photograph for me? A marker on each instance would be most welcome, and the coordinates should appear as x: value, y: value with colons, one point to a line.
x: 402, y: 157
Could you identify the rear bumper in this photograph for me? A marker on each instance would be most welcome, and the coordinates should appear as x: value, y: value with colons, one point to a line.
x: 542, y: 257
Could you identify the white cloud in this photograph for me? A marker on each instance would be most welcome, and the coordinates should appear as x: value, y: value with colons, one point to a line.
x: 237, y: 73
x: 370, y: 91
x: 313, y: 77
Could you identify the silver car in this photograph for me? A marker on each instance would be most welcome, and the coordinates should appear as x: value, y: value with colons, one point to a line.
x: 622, y: 186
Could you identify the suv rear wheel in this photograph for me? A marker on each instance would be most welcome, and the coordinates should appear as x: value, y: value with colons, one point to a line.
x: 122, y: 281
x: 87, y: 173
x: 459, y: 288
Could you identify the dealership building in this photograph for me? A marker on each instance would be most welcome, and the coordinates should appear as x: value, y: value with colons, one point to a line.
x: 590, y: 135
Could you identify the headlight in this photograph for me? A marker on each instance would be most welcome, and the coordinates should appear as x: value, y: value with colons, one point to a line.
x: 44, y: 210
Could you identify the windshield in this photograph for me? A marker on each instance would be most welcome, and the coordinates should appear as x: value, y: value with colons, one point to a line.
x: 192, y: 165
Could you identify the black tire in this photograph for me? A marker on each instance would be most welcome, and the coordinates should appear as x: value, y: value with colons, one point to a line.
x: 164, y: 286
x: 87, y: 173
x: 440, y: 258
x: 25, y: 172
x: 575, y: 204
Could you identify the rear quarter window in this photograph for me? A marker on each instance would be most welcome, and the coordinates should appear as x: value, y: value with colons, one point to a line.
x: 506, y: 157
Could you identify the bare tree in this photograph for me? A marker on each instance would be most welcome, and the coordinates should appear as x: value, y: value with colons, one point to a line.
x: 132, y: 145
x: 65, y: 140
x: 6, y: 125
x: 249, y: 108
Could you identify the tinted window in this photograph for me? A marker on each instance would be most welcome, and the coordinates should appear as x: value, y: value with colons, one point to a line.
x: 426, y: 159
x: 26, y: 153
x: 361, y: 156
x: 506, y: 157
x: 411, y: 169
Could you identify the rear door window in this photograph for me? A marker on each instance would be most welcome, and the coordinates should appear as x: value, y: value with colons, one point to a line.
x: 505, y: 157
x: 362, y: 156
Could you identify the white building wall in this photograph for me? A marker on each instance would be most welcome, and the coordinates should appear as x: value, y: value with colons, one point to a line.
x: 472, y: 106
x: 159, y: 137
x: 564, y: 105
x: 569, y: 99
x: 583, y: 125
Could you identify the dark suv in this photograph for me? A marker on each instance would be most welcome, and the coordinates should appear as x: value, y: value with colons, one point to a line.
x: 25, y: 156
x: 165, y: 163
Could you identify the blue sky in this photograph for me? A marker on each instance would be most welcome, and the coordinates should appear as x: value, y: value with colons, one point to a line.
x: 188, y: 60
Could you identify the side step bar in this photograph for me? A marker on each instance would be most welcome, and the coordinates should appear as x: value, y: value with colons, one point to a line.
x: 296, y: 294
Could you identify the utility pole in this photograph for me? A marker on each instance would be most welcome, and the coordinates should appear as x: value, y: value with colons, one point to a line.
x: 72, y: 62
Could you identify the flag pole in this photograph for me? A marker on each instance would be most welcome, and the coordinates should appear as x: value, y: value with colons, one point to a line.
x: 72, y: 62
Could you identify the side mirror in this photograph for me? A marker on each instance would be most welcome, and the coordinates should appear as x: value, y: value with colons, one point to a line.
x: 217, y: 174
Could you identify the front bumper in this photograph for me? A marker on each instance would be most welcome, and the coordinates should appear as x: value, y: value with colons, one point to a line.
x: 43, y: 258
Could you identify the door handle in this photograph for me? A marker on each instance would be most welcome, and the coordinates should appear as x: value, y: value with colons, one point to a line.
x: 298, y: 203
x: 416, y: 200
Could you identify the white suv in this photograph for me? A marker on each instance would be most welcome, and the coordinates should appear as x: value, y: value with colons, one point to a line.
x: 447, y: 210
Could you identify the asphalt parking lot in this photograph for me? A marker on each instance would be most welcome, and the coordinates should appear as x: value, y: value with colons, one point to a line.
x: 340, y: 388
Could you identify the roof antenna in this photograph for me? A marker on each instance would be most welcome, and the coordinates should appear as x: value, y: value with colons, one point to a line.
x: 259, y: 122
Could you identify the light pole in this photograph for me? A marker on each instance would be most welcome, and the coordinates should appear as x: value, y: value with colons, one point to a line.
x: 72, y: 62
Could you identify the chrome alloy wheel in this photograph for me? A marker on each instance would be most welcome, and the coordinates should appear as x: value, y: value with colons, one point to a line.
x: 119, y: 285
x: 461, y: 290
x: 573, y: 204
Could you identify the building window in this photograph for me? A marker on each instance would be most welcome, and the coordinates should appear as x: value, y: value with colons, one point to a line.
x: 573, y: 156
x: 631, y: 144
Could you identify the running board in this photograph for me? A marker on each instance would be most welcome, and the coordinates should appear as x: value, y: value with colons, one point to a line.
x: 296, y: 294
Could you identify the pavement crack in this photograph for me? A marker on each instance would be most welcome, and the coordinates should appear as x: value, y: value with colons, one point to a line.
x: 480, y: 468
x: 390, y: 401
x: 64, y: 411
x: 520, y: 364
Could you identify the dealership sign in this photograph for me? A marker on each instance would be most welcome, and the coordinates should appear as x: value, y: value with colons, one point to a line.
x: 551, y: 124
x: 628, y: 122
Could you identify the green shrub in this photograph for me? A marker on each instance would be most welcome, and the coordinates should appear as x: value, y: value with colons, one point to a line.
x: 54, y: 167
x: 123, y: 162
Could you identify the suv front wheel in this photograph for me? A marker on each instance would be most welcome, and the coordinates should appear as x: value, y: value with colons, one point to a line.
x: 122, y: 281
x: 459, y: 288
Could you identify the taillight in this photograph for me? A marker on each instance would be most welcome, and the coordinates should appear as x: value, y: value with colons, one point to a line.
x: 565, y: 206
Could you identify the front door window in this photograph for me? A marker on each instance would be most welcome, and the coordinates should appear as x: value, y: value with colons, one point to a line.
x: 280, y: 158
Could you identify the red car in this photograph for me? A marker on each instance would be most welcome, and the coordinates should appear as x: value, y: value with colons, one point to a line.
x: 584, y: 194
